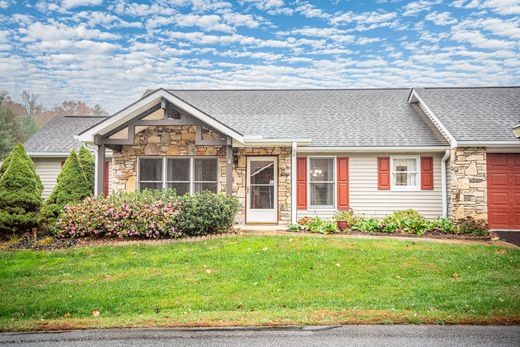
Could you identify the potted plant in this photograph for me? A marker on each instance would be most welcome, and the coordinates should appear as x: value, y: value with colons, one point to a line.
x: 345, y: 219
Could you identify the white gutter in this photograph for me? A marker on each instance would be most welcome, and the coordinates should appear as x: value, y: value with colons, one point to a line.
x: 293, y: 182
x: 372, y: 149
x: 444, y: 184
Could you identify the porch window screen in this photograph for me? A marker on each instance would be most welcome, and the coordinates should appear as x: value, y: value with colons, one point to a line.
x: 321, y: 182
x: 186, y: 175
x: 205, y: 175
x: 150, y: 173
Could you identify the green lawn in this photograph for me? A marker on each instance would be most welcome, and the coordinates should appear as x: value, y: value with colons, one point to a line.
x: 260, y: 280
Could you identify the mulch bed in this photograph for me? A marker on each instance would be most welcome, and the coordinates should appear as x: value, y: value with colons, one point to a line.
x: 433, y: 235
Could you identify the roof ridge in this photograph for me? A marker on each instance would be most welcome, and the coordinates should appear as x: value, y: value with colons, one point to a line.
x: 279, y: 89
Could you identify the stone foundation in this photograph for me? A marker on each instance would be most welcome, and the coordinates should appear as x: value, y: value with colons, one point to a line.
x: 180, y: 141
x: 468, y: 183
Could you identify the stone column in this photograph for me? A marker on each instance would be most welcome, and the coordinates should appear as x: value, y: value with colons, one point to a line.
x: 468, y: 183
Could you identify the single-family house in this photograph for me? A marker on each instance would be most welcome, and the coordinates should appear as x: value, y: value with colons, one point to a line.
x: 286, y: 154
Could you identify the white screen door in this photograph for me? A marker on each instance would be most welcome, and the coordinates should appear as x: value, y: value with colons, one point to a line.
x: 262, y: 190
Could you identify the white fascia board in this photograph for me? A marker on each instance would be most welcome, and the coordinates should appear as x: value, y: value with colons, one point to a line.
x: 436, y: 122
x: 425, y: 149
x: 148, y: 101
x: 250, y: 141
x: 57, y: 154
x: 489, y: 143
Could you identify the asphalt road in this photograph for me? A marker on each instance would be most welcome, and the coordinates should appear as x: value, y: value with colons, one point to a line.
x: 387, y: 335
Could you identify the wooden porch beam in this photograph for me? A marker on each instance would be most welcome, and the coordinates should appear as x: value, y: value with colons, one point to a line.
x: 139, y: 117
x: 164, y: 122
x: 229, y: 167
x: 100, y: 170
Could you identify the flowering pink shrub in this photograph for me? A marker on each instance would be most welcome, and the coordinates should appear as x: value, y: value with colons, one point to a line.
x: 139, y: 215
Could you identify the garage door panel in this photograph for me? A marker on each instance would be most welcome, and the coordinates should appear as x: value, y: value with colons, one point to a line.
x: 497, y: 160
x: 498, y: 180
x: 498, y: 198
x: 503, y: 170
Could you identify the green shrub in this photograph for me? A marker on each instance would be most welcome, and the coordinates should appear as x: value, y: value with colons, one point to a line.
x: 206, y: 213
x: 293, y: 227
x: 149, y: 214
x: 19, y: 150
x: 87, y: 162
x: 471, y: 226
x: 317, y: 225
x: 443, y: 225
x: 370, y: 225
x: 71, y: 187
x: 347, y: 216
x: 20, y: 196
x: 409, y: 221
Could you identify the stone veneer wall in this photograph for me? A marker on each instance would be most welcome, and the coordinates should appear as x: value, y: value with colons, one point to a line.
x: 180, y: 141
x: 468, y: 183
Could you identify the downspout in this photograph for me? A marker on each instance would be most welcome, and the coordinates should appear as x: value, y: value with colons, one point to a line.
x: 444, y: 184
x: 293, y: 183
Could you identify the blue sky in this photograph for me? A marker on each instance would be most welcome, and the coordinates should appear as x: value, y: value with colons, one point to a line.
x: 109, y: 52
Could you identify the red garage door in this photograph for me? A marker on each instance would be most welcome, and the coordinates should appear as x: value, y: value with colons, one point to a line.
x: 503, y: 190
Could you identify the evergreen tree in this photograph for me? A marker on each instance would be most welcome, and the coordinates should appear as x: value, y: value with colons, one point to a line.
x: 19, y: 151
x: 87, y: 162
x: 71, y: 186
x: 20, y: 196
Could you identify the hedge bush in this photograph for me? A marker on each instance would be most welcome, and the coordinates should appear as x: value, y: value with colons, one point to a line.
x: 87, y: 162
x: 149, y: 214
x: 20, y: 196
x: 71, y: 187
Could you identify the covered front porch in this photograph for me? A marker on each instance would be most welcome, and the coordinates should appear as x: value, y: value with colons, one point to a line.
x: 162, y: 146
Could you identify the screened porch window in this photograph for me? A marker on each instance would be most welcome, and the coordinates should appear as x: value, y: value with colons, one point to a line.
x: 321, y: 182
x: 187, y: 175
x: 405, y: 173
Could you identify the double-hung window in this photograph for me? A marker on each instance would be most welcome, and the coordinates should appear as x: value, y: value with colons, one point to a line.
x: 321, y: 182
x: 184, y: 174
x: 405, y: 173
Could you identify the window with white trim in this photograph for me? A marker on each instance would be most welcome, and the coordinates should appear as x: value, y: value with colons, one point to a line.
x: 405, y: 173
x: 321, y: 182
x: 184, y: 174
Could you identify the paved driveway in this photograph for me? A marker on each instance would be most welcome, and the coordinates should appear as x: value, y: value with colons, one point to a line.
x: 510, y: 236
x: 387, y: 335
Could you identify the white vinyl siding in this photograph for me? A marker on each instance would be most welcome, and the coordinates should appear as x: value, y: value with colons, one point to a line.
x: 49, y: 168
x: 365, y: 198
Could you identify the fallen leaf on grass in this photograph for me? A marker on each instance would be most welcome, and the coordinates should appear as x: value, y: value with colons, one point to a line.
x: 502, y: 251
x: 455, y: 276
x: 95, y: 313
x: 66, y: 315
x: 208, y: 271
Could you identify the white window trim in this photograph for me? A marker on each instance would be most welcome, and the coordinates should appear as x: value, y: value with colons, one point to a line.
x: 334, y: 183
x: 417, y: 186
x: 164, y: 171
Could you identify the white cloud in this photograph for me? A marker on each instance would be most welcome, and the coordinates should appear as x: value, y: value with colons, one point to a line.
x: 59, y: 31
x: 476, y: 39
x: 504, y: 7
x: 311, y: 11
x: 416, y: 7
x: 4, y: 4
x: 68, y: 4
x: 442, y: 18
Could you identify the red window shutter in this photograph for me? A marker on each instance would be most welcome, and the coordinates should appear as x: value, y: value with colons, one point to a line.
x: 383, y: 173
x: 343, y: 193
x: 105, y: 184
x: 301, y: 183
x: 427, y: 173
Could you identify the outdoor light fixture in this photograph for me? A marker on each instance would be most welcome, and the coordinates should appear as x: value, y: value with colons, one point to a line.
x: 516, y: 130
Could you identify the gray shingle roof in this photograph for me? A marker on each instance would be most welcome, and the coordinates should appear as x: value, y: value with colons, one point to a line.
x: 347, y: 117
x: 476, y: 114
x: 57, y: 136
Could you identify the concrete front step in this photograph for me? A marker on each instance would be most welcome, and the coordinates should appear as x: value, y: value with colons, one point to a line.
x: 252, y: 228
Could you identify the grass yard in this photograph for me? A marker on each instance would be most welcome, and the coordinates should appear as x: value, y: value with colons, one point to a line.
x: 275, y: 280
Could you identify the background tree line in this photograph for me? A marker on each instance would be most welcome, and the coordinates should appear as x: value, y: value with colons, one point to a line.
x: 20, y: 120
